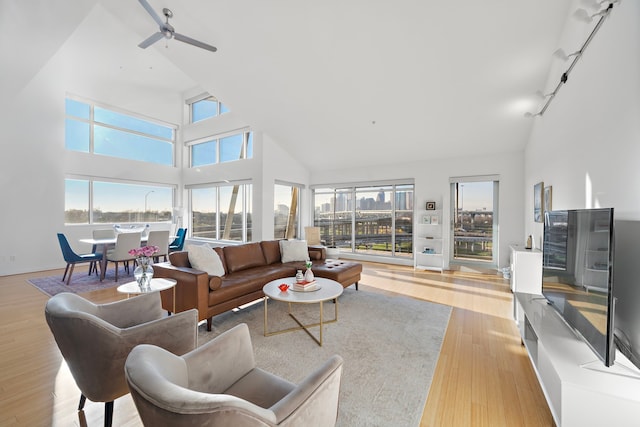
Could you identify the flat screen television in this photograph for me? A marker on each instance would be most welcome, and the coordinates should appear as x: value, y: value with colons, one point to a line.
x: 577, y: 274
x: 626, y: 289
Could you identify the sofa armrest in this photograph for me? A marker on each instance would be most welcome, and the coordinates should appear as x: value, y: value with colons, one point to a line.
x: 315, y: 398
x: 191, y: 291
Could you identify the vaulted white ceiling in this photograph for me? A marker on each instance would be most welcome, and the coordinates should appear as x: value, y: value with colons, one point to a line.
x: 335, y: 82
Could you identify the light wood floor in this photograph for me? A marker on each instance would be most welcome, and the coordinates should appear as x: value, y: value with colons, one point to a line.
x: 483, y: 376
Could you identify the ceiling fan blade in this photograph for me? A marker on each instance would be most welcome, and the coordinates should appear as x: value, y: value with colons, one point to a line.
x: 193, y: 42
x: 151, y: 40
x: 152, y: 12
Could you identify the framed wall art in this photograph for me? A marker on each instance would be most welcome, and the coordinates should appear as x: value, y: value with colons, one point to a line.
x: 431, y: 206
x: 548, y: 192
x: 538, y: 202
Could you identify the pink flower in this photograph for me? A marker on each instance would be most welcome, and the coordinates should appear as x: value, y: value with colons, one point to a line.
x: 146, y: 251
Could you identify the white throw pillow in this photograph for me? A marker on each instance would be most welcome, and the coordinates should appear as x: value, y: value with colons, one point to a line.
x: 294, y: 250
x: 202, y: 257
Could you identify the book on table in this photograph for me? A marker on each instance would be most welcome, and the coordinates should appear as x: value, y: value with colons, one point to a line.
x: 305, y: 286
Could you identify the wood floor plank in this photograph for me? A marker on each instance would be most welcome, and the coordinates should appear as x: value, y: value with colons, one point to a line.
x: 483, y: 375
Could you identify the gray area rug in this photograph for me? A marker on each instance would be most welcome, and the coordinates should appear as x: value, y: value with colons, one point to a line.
x: 390, y: 346
x: 80, y: 282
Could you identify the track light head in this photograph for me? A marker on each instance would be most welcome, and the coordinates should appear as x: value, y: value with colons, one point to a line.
x: 561, y: 54
x: 540, y: 94
x: 592, y: 4
x: 582, y: 15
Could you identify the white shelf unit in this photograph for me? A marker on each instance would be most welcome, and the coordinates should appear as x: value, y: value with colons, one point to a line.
x: 595, y: 275
x: 429, y: 242
x: 580, y: 390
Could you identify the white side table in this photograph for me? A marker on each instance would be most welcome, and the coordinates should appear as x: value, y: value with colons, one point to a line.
x: 328, y: 290
x: 157, y: 285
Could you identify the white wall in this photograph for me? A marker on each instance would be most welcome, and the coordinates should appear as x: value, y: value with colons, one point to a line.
x: 33, y: 160
x: 432, y: 183
x: 587, y: 145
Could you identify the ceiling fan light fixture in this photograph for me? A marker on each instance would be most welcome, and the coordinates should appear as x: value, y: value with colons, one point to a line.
x: 167, y: 31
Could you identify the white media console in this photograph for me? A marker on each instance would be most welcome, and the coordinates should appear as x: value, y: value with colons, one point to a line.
x: 579, y: 389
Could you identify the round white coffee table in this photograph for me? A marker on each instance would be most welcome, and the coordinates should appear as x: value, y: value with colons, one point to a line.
x: 157, y: 285
x: 327, y: 290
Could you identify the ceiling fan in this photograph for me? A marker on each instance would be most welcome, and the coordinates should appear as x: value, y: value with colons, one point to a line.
x: 167, y: 31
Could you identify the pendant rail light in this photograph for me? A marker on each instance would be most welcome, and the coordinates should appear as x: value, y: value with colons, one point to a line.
x: 576, y: 55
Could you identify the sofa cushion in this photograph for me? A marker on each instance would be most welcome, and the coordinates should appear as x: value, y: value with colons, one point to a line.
x: 220, y: 251
x: 244, y: 256
x: 294, y: 250
x: 202, y: 257
x: 271, y: 251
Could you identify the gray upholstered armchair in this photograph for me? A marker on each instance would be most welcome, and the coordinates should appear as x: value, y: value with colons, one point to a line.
x: 218, y: 384
x: 95, y: 340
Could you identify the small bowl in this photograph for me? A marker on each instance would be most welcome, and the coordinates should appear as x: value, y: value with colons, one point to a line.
x: 283, y: 287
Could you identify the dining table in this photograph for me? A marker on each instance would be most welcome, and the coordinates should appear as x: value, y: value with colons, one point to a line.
x: 105, y: 243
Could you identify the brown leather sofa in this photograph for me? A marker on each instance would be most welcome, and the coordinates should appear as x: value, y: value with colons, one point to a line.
x: 248, y: 267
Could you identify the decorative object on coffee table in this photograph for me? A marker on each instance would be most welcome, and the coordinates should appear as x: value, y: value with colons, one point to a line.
x: 308, y: 275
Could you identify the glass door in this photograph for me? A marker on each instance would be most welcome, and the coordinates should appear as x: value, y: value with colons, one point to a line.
x: 474, y: 221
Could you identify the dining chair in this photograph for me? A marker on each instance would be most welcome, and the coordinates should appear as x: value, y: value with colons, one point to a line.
x: 159, y: 238
x: 178, y: 243
x: 73, y: 258
x: 108, y: 233
x: 120, y: 253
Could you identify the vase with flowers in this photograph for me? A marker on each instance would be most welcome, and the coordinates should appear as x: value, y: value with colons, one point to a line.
x: 308, y: 275
x: 144, y: 271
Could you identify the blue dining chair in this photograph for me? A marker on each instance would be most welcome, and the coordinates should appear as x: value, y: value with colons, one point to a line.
x: 73, y: 258
x: 178, y: 243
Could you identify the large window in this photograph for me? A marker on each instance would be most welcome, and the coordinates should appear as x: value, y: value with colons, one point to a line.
x: 221, y: 212
x: 205, y: 107
x: 474, y: 202
x: 221, y: 149
x: 286, y: 215
x: 372, y: 220
x: 97, y: 129
x: 89, y: 201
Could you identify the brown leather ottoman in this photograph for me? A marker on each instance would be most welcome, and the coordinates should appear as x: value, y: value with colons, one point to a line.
x: 344, y: 272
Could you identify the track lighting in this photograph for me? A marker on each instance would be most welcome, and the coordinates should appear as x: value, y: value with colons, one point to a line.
x: 560, y: 53
x: 543, y: 95
x: 583, y: 15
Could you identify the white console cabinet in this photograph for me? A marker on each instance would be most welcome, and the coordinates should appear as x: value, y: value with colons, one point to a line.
x: 580, y: 390
x: 526, y: 270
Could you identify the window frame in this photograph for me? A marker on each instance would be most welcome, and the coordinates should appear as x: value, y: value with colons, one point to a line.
x: 352, y: 204
x: 246, y: 150
x: 220, y: 107
x: 246, y: 207
x: 92, y: 123
x: 91, y: 180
